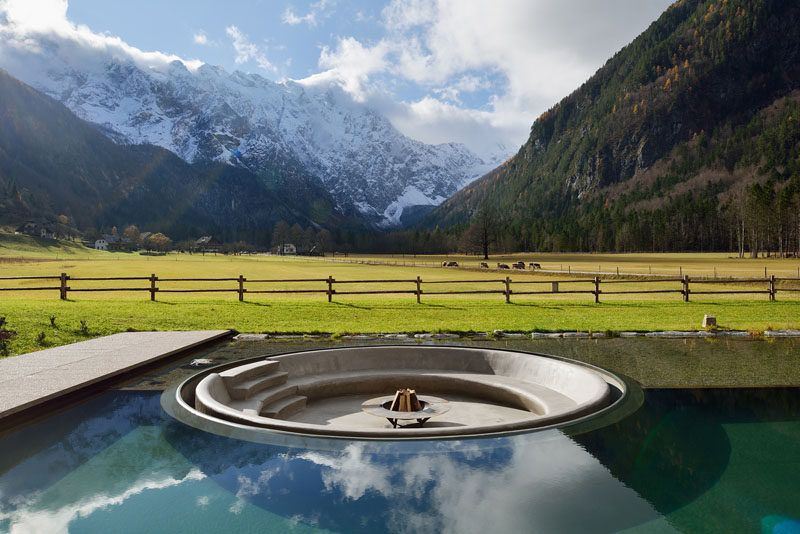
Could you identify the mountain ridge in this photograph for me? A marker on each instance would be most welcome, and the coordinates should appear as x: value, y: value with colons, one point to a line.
x: 53, y: 163
x: 699, y: 74
x: 371, y: 170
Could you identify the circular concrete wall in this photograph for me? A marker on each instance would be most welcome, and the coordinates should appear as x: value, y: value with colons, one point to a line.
x: 320, y: 392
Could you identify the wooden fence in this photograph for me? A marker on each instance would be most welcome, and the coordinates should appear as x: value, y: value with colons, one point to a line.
x: 65, y: 284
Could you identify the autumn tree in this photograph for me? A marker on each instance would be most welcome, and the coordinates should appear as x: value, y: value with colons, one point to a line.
x: 309, y: 239
x: 324, y: 241
x: 481, y: 233
x: 159, y: 242
x: 296, y: 234
x: 131, y: 233
x: 280, y: 235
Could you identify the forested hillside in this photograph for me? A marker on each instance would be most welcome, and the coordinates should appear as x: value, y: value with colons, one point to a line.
x: 54, y: 164
x: 687, y: 139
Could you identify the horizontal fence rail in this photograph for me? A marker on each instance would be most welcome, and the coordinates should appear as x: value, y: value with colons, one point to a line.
x: 770, y: 286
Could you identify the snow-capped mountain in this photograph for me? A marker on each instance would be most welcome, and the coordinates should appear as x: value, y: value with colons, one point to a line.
x: 369, y: 167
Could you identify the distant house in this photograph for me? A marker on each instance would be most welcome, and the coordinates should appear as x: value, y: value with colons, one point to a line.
x: 209, y: 244
x: 115, y: 242
x: 101, y: 244
x: 37, y: 230
x: 289, y: 248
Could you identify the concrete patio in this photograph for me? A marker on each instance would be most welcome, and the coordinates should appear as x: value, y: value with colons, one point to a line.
x: 31, y: 379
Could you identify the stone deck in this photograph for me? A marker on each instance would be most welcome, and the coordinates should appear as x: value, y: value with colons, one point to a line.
x: 32, y: 379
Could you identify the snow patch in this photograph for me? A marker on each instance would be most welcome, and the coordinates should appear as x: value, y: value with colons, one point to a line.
x: 411, y: 196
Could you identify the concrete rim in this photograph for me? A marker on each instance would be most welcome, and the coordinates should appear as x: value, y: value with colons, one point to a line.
x: 177, y: 402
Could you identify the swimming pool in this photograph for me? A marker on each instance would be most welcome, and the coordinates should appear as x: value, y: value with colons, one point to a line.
x: 723, y: 459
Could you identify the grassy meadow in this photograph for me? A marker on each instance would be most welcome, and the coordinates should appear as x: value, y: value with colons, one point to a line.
x: 28, y: 313
x: 709, y: 264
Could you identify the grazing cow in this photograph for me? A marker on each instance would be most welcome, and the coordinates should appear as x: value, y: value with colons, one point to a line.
x: 519, y: 265
x: 534, y: 265
x: 502, y: 266
x: 484, y: 265
x: 449, y: 264
x: 444, y: 264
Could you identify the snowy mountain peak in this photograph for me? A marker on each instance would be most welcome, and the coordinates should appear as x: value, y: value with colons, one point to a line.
x: 208, y: 114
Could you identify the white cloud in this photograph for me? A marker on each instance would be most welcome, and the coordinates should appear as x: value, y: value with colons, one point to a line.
x: 465, y: 84
x: 519, y: 57
x: 351, y: 64
x: 41, y: 26
x: 537, y: 53
x: 246, y: 51
x: 548, y: 483
x: 31, y: 516
x: 200, y: 38
x: 311, y: 18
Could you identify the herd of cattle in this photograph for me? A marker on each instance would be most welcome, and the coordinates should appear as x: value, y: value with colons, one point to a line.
x: 518, y: 265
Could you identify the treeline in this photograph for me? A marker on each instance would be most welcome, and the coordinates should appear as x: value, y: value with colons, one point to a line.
x: 736, y: 189
x: 664, y: 148
x: 758, y: 219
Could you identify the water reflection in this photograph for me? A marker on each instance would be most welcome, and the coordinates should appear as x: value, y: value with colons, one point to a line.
x: 543, y: 480
x: 686, y: 460
x: 39, y: 455
x: 547, y: 483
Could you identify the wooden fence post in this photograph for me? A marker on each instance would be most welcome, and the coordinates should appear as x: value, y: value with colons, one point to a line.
x: 330, y: 287
x: 772, y: 287
x: 508, y: 289
x: 242, y: 280
x: 596, y: 289
x: 64, y: 278
x: 419, y: 290
x: 685, y: 288
x: 153, y: 288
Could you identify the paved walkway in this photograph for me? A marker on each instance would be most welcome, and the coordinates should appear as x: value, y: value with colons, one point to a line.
x: 31, y: 379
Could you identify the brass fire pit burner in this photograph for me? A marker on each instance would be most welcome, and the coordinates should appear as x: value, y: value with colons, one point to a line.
x: 405, y: 405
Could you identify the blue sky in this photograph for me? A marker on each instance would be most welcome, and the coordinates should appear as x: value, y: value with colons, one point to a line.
x: 472, y: 71
x: 173, y: 26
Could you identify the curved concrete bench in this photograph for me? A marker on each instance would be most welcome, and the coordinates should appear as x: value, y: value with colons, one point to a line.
x: 264, y: 393
x: 505, y: 390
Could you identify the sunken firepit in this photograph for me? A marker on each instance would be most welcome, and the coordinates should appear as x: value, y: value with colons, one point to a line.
x: 332, y: 392
x: 405, y: 405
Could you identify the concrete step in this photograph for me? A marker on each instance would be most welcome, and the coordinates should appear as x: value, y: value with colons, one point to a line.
x: 275, y: 393
x: 248, y: 388
x: 284, y: 407
x: 251, y: 370
x: 248, y: 406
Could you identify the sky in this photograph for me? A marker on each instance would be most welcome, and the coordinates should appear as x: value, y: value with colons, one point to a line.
x: 471, y: 71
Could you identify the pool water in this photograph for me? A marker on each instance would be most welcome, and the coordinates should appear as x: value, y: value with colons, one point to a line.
x: 688, y: 460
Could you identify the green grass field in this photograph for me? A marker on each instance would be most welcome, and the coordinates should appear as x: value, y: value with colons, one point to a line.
x: 670, y: 264
x: 28, y: 312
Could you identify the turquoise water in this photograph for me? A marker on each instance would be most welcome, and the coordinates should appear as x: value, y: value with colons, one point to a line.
x: 709, y: 460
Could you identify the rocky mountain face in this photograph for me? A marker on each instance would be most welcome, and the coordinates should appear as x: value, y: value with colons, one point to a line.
x: 677, y: 112
x: 53, y: 163
x: 290, y: 135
